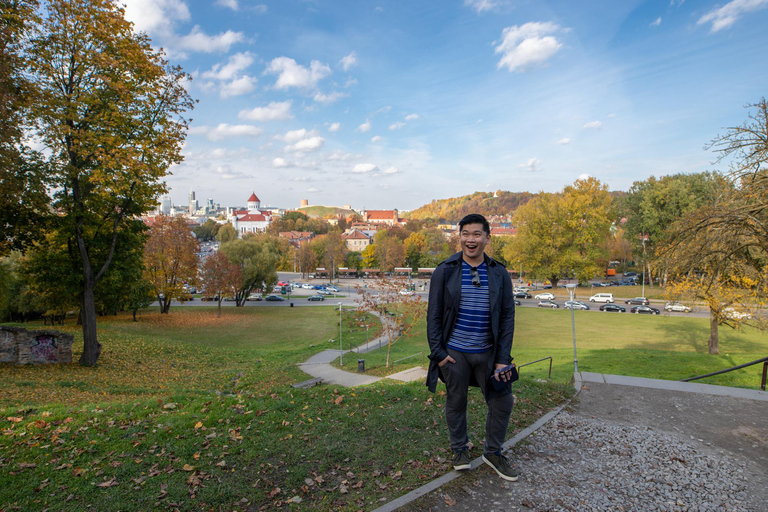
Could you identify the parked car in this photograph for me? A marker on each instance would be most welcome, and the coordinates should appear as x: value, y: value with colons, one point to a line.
x: 332, y: 289
x: 406, y: 292
x: 642, y: 301
x: 547, y: 304
x: 254, y: 296
x: 575, y: 304
x: 676, y: 306
x: 517, y: 302
x: 307, y: 286
x: 545, y: 296
x: 734, y: 314
x: 324, y: 292
x: 601, y: 297
x: 522, y: 295
x: 612, y: 308
x: 316, y: 297
x: 274, y: 298
x: 645, y: 310
x: 630, y: 274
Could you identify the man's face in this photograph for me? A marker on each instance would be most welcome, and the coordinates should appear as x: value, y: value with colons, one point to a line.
x: 473, y: 240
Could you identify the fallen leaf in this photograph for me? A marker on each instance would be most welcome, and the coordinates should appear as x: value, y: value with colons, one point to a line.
x: 188, y: 467
x: 15, y: 419
x: 339, y: 399
x: 169, y: 405
x: 450, y: 502
x: 343, y: 489
x: 109, y: 483
x: 274, y: 492
x: 26, y: 465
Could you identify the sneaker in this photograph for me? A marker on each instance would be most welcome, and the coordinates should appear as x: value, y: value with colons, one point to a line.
x: 461, y: 459
x: 501, y: 465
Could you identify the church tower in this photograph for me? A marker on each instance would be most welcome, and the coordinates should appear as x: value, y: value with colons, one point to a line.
x: 253, y: 202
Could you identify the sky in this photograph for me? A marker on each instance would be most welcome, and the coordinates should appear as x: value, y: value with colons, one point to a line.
x: 388, y: 104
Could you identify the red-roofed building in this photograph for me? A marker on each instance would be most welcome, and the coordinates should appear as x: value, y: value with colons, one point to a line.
x: 297, y: 238
x: 510, y: 231
x: 356, y: 240
x: 388, y: 217
x: 252, y: 220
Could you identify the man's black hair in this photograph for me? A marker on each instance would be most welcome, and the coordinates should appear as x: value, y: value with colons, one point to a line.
x: 475, y: 218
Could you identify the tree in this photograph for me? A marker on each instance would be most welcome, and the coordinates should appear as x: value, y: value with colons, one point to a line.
x: 390, y: 251
x: 257, y: 257
x: 415, y: 245
x: 170, y: 259
x: 369, y: 256
x: 24, y: 201
x: 226, y: 234
x: 220, y: 277
x: 354, y: 259
x: 331, y: 251
x: 307, y: 259
x: 207, y: 230
x: 110, y: 110
x: 559, y: 235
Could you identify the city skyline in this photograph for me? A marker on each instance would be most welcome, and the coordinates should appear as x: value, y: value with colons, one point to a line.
x: 392, y: 105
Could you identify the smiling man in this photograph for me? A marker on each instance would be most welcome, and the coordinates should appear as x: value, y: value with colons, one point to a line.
x: 470, y: 324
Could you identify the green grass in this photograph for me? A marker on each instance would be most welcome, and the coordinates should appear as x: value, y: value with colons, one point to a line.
x: 191, y: 411
x: 660, y: 347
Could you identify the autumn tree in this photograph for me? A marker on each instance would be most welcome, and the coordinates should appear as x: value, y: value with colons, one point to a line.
x: 220, y: 277
x: 369, y: 256
x: 390, y: 251
x: 306, y: 258
x: 226, y: 233
x: 257, y: 257
x: 330, y: 251
x: 23, y: 201
x: 207, y: 230
x: 111, y: 112
x: 563, y: 234
x: 414, y: 246
x: 170, y: 259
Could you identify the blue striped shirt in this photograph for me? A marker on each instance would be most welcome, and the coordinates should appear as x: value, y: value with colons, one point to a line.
x: 472, y: 332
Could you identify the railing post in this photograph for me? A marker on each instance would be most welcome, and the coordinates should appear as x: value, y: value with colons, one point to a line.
x: 765, y: 373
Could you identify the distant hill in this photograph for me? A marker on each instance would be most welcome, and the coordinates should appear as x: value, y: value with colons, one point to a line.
x: 323, y: 211
x: 484, y: 203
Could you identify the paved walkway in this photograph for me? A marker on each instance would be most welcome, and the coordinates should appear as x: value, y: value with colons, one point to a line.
x: 319, y: 365
x: 730, y: 419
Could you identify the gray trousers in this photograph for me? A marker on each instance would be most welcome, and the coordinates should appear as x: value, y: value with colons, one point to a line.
x: 457, y: 377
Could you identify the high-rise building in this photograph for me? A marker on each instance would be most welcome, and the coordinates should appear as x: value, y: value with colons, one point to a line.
x: 165, y: 205
x: 192, y: 202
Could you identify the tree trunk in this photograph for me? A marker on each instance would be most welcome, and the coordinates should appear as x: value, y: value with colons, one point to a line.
x: 91, y: 345
x: 134, y: 315
x: 219, y: 306
x: 165, y: 305
x: 713, y: 334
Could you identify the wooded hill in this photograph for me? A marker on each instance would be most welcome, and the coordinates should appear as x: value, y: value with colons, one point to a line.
x: 485, y: 203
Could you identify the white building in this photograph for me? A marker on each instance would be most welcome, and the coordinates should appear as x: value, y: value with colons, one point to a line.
x: 252, y: 220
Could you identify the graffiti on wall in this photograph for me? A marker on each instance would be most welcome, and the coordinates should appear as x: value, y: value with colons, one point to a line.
x: 44, y: 349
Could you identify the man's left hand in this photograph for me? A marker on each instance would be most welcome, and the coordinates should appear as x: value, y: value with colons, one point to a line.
x: 503, y: 376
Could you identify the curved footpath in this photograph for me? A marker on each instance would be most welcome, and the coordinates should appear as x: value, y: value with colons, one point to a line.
x: 623, y: 443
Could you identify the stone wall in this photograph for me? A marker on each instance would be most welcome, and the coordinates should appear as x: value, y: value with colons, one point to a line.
x: 21, y: 346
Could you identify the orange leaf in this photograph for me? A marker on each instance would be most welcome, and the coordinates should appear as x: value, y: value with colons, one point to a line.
x: 339, y: 399
x: 188, y: 467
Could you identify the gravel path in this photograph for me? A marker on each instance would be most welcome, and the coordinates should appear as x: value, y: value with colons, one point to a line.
x: 620, y: 449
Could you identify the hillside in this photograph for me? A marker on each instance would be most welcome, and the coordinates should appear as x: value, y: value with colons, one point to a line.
x: 485, y: 203
x: 323, y: 211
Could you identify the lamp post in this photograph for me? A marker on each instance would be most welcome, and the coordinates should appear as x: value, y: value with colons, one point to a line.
x: 341, y: 346
x: 571, y: 287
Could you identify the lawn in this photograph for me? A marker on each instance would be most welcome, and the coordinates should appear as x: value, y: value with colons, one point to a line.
x: 659, y: 347
x: 189, y: 411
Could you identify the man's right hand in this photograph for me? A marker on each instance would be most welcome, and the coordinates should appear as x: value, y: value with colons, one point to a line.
x: 448, y: 359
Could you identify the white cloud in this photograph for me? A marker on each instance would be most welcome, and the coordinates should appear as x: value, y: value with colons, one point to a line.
x: 482, y: 5
x: 225, y: 172
x: 310, y: 144
x: 349, y: 61
x: 656, y: 22
x: 198, y: 41
x: 383, y: 110
x: 327, y: 99
x: 391, y: 170
x: 293, y: 135
x: 532, y: 165
x: 243, y: 85
x: 365, y: 127
x: 376, y: 138
x: 234, y: 67
x: 411, y: 117
x: 396, y: 126
x: 583, y: 177
x: 312, y: 189
x: 273, y: 112
x: 224, y: 131
x: 279, y: 162
x: 292, y: 74
x: 259, y: 9
x: 527, y: 45
x: 564, y: 141
x: 155, y: 16
x: 364, y: 168
x: 230, y: 4
x: 334, y: 127
x: 339, y: 156
x: 727, y: 15
x: 593, y: 125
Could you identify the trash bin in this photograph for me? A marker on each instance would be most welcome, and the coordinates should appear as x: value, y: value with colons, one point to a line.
x: 291, y: 304
x: 361, y: 365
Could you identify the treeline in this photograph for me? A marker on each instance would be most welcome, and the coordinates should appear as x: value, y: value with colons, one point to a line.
x: 499, y: 203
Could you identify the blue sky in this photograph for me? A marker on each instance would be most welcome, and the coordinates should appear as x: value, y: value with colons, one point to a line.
x: 391, y: 104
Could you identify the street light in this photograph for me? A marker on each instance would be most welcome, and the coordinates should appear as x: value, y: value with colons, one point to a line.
x: 571, y: 287
x: 341, y: 346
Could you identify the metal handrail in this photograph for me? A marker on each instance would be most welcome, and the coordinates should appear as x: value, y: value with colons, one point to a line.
x: 764, y: 360
x: 538, y: 361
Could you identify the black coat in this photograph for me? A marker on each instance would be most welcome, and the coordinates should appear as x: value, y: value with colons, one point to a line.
x: 443, y: 310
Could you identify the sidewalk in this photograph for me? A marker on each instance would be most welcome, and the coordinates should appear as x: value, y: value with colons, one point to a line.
x: 713, y: 419
x: 319, y: 365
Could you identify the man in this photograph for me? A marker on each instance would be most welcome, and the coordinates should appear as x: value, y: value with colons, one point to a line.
x: 470, y: 323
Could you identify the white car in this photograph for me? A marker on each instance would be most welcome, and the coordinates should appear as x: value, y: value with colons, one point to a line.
x: 308, y: 286
x: 325, y: 292
x: 575, y: 305
x: 406, y: 292
x: 602, y: 297
x: 547, y: 304
x: 676, y: 306
x: 545, y: 296
x: 332, y: 289
x: 734, y: 314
